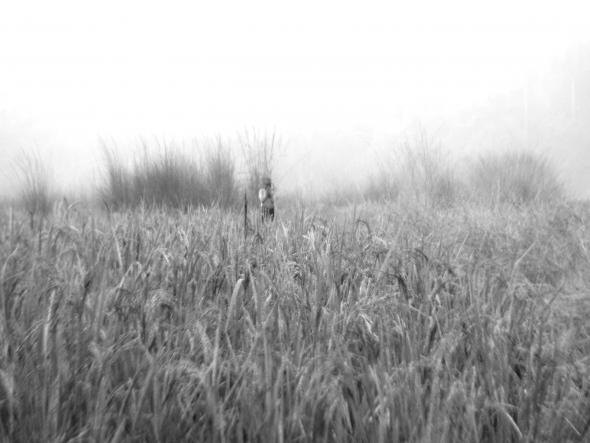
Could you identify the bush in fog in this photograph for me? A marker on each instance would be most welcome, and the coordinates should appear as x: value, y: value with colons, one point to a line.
x: 35, y: 184
x: 518, y: 177
x: 220, y: 176
x: 171, y: 178
x: 118, y: 190
x: 381, y: 186
x: 417, y: 170
x: 425, y: 172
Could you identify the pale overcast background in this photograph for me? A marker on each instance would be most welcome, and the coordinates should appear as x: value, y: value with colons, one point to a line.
x: 336, y: 79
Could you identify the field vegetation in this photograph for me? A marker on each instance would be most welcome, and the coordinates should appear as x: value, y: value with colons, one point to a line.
x: 37, y: 192
x: 170, y: 177
x: 424, y: 315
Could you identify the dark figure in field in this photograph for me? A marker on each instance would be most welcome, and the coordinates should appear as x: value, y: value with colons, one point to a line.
x: 267, y: 203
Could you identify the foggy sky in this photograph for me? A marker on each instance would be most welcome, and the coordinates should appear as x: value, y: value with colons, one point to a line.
x: 332, y: 77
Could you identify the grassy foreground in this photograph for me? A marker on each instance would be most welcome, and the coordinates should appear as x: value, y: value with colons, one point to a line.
x: 383, y: 324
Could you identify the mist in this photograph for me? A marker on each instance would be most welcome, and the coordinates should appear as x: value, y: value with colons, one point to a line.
x: 342, y: 84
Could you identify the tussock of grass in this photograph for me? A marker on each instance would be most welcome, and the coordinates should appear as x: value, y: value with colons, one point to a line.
x: 393, y: 323
x: 381, y: 186
x: 172, y: 178
x: 517, y: 177
x: 418, y: 169
x: 421, y: 170
x: 36, y: 190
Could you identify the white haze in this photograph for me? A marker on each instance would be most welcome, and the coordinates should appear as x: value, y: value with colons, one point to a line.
x: 337, y: 79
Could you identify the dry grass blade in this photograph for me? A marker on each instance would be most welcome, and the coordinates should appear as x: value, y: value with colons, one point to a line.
x: 117, y: 437
x: 147, y: 382
x: 233, y: 303
x: 385, y: 264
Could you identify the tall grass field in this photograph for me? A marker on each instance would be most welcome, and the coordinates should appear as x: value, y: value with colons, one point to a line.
x: 381, y: 323
x: 427, y: 307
